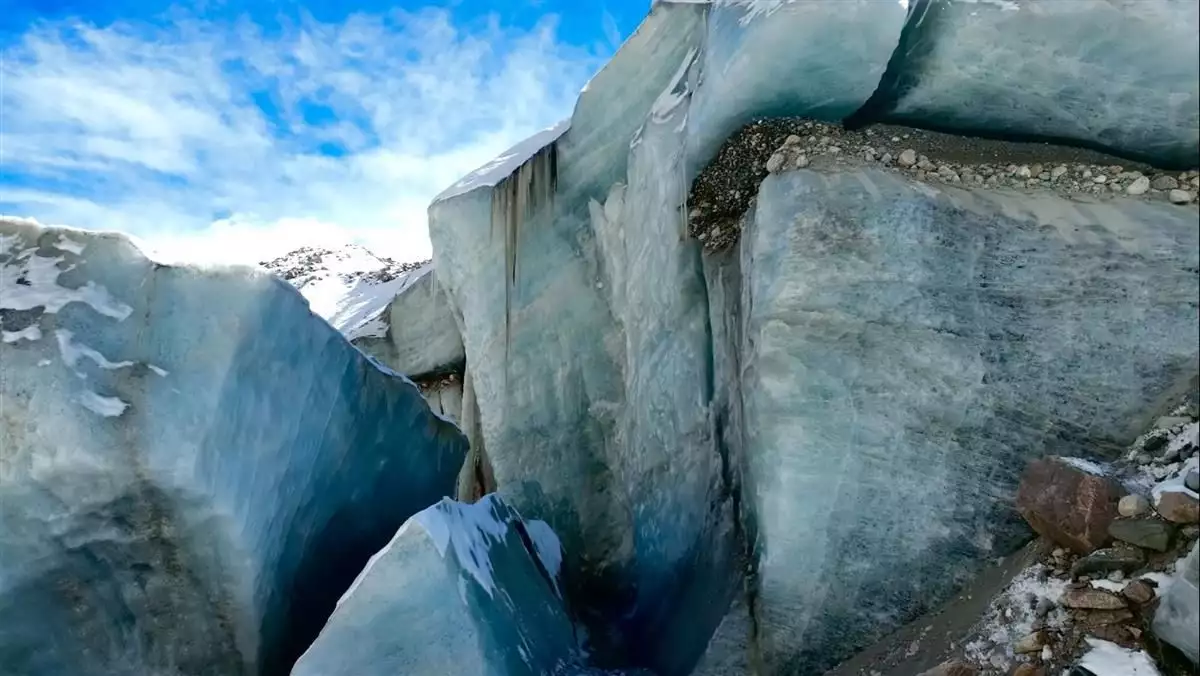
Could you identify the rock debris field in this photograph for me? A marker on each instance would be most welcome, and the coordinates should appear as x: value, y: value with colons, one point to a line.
x: 725, y: 189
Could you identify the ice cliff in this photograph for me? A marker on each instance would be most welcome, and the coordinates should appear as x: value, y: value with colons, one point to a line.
x: 193, y: 467
x: 765, y: 457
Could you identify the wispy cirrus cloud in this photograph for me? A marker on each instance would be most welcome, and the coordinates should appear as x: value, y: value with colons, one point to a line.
x: 227, y: 141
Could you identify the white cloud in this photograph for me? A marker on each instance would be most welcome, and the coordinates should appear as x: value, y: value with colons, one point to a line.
x: 158, y: 130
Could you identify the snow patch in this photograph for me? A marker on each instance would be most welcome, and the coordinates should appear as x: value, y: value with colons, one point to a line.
x: 1188, y: 437
x: 1110, y: 659
x: 1175, y: 484
x: 109, y: 407
x: 32, y: 333
x: 161, y: 372
x: 675, y: 93
x: 547, y: 547
x: 1012, y: 614
x: 72, y: 352
x: 500, y: 168
x: 1093, y: 468
x: 27, y: 282
x: 67, y: 244
x: 1109, y: 585
x: 470, y: 529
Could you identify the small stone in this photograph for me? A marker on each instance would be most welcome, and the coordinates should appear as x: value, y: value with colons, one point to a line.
x: 1192, y: 481
x: 1058, y: 172
x: 1100, y: 179
x: 908, y: 158
x: 1178, y: 507
x: 1138, y: 592
x: 792, y: 140
x: 801, y: 161
x: 1044, y: 606
x: 1116, y: 576
x: 1036, y: 169
x: 1092, y: 599
x: 1164, y: 182
x: 1030, y: 644
x: 1024, y: 171
x: 886, y: 159
x: 1133, y: 505
x: 1145, y: 532
x: 1103, y: 561
x: 834, y: 150
x: 1179, y: 197
x: 1155, y: 442
x: 1143, y: 459
x: 1087, y: 173
x: 925, y: 164
x: 775, y: 163
x: 1139, y: 186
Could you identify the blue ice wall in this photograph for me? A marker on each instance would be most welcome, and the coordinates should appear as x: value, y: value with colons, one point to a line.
x: 194, y: 465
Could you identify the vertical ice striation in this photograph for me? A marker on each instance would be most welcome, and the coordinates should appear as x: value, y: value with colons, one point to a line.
x: 536, y: 288
x: 192, y: 465
x: 907, y: 350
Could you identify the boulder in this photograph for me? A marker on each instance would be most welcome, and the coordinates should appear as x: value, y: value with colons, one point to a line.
x: 1068, y: 505
x: 193, y: 465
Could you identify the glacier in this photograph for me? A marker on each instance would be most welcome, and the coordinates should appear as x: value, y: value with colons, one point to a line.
x: 193, y: 466
x: 756, y: 460
x: 724, y: 427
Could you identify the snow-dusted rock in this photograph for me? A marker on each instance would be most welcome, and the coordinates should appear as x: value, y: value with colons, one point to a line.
x: 461, y: 589
x: 192, y: 465
x: 349, y: 286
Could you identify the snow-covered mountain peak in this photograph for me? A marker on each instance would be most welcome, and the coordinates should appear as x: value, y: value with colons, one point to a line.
x: 349, y: 286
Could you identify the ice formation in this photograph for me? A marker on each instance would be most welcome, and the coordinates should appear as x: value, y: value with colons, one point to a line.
x: 733, y: 453
x: 461, y: 589
x: 852, y: 390
x: 192, y: 465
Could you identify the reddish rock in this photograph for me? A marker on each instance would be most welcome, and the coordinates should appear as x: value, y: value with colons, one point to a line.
x: 1138, y: 592
x: 1028, y: 670
x: 1068, y: 505
x: 1178, y: 507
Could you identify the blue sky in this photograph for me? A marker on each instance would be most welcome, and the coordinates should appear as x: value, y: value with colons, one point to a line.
x: 232, y: 131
